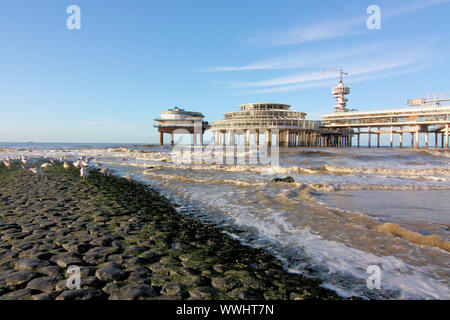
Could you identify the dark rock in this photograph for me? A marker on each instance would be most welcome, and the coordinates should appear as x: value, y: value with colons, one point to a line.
x: 46, y: 295
x: 220, y: 268
x: 135, y: 250
x: 287, y: 179
x: 296, y: 296
x: 246, y: 294
x: 82, y: 294
x: 137, y: 261
x: 24, y: 294
x: 30, y: 264
x: 201, y: 293
x: 152, y: 255
x: 134, y: 292
x: 53, y: 271
x: 172, y: 289
x: 19, y: 278
x: 224, y: 284
x: 67, y: 259
x: 44, y: 284
x: 112, y: 287
x: 110, y: 273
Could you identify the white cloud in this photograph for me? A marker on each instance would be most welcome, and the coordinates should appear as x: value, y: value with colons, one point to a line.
x: 334, y: 28
x: 381, y: 58
x: 305, y: 58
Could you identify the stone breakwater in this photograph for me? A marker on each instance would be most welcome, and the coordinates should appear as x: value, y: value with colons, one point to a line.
x: 129, y: 242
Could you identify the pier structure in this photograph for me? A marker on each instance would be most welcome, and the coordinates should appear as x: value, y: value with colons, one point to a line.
x: 425, y: 116
x: 176, y: 119
x: 277, y: 124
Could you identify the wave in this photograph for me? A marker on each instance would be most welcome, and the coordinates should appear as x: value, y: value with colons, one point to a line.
x: 414, y: 237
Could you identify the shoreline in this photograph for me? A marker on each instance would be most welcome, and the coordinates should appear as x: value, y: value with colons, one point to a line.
x: 129, y: 242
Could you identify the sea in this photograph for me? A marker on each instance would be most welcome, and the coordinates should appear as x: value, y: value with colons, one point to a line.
x: 348, y: 211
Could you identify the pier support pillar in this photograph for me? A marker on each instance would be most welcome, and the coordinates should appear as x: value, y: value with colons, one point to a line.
x: 171, y: 139
x: 436, y: 140
x: 446, y: 136
x: 269, y: 137
x: 412, y: 139
x: 161, y: 138
x: 216, y: 138
x: 392, y: 137
x: 417, y: 138
x: 287, y: 142
x: 368, y: 132
x: 401, y: 140
x: 359, y: 137
x: 426, y: 140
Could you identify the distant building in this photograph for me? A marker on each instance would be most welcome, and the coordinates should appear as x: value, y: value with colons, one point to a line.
x: 174, y: 119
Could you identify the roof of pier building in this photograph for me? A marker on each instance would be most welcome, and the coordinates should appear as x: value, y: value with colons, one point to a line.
x: 177, y: 117
x: 264, y: 115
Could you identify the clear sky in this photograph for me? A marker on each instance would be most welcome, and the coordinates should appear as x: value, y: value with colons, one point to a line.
x: 133, y: 59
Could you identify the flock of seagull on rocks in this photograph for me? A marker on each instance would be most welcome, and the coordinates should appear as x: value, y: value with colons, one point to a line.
x: 82, y: 163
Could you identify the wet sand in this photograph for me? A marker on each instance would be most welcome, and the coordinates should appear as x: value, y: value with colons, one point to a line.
x: 129, y: 242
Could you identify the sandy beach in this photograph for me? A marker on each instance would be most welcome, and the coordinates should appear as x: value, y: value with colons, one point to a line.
x: 129, y: 242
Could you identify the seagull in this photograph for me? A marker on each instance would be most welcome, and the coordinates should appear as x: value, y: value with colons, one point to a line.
x: 8, y: 159
x: 45, y: 165
x: 52, y: 161
x: 66, y: 165
x: 7, y: 164
x: 36, y: 170
x: 84, y: 172
x: 24, y: 160
x: 76, y: 164
x: 106, y: 172
x: 62, y: 159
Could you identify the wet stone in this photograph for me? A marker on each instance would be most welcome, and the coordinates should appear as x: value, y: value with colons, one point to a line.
x: 134, y: 292
x: 30, y: 264
x: 19, y: 278
x: 171, y: 289
x: 135, y: 250
x: 44, y: 284
x: 151, y: 255
x: 110, y: 273
x: 46, y: 295
x: 112, y: 287
x: 67, y: 259
x: 54, y: 271
x: 201, y: 293
x: 82, y: 294
x: 24, y: 294
x: 224, y: 284
x: 246, y: 294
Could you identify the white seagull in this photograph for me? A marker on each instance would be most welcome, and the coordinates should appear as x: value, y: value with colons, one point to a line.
x: 36, y: 170
x: 45, y: 165
x: 84, y: 172
x: 66, y: 165
x: 106, y: 172
x: 7, y: 164
x: 24, y: 160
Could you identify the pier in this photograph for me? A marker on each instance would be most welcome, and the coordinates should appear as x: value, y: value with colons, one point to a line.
x: 275, y: 123
x: 426, y: 117
x: 183, y: 121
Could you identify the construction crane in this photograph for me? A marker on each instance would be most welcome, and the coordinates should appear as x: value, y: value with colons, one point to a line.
x: 340, y: 71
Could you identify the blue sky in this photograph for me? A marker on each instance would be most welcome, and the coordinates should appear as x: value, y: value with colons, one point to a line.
x: 133, y: 59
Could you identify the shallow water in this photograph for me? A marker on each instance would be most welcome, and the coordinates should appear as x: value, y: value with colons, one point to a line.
x: 329, y: 223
